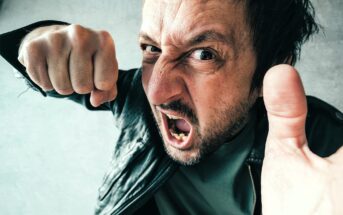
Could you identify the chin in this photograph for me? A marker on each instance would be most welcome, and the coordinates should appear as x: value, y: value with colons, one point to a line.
x: 185, y: 157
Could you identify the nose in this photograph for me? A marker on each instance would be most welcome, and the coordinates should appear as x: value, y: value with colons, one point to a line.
x: 164, y: 84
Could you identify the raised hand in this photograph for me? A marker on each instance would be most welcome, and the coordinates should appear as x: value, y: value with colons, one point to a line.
x: 295, y: 181
x: 71, y: 59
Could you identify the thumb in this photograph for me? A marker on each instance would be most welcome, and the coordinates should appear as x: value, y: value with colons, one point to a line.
x: 285, y: 101
x: 99, y: 97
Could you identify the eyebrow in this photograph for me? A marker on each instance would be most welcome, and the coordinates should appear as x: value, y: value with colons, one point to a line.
x: 210, y: 36
x: 146, y: 37
x: 205, y: 36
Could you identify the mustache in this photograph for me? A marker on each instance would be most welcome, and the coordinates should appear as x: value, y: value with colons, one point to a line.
x: 182, y: 108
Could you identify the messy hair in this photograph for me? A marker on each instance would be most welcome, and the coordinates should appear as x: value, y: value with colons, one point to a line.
x: 279, y: 28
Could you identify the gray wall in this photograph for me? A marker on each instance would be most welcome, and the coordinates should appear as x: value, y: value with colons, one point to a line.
x: 53, y: 153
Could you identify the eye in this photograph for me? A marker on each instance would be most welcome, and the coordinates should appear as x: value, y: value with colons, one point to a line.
x: 150, y: 53
x: 203, y: 54
x: 150, y: 49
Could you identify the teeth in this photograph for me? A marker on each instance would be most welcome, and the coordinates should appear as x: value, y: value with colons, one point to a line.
x: 172, y: 117
x: 180, y: 137
x: 184, y: 138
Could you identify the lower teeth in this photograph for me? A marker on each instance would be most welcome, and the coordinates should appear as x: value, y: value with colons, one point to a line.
x: 180, y: 136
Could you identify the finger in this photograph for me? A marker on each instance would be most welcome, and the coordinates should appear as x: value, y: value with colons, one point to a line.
x: 105, y: 63
x: 81, y: 59
x: 99, y: 97
x: 58, y: 64
x: 59, y: 76
x: 286, y: 106
x: 33, y: 58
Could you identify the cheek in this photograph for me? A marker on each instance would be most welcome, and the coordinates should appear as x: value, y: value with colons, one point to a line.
x: 214, y: 93
x: 146, y: 75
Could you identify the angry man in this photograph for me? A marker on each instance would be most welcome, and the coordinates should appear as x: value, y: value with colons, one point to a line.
x: 196, y: 137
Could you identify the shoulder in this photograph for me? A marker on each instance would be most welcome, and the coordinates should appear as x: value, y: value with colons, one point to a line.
x: 129, y: 77
x: 130, y: 96
x: 324, y: 127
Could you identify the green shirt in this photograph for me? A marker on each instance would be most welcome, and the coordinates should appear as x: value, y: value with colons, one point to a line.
x: 220, y: 184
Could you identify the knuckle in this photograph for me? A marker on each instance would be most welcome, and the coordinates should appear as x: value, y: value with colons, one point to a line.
x: 56, y: 40
x: 105, y: 35
x: 33, y: 48
x: 103, y: 85
x: 34, y: 54
x: 82, y: 88
x: 105, y: 39
x: 79, y: 36
x: 76, y: 29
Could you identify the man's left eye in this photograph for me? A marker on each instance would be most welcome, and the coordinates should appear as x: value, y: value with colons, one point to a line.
x: 203, y: 54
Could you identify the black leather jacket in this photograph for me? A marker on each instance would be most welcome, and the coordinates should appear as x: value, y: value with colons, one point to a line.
x: 139, y: 164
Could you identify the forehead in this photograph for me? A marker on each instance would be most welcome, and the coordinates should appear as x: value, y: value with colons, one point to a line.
x: 166, y: 19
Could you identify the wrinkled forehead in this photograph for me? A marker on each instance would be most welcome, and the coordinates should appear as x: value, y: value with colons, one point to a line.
x: 168, y: 17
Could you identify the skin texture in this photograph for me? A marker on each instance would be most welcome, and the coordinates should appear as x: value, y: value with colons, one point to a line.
x: 205, y: 79
x: 295, y: 180
x: 72, y: 59
x: 215, y: 91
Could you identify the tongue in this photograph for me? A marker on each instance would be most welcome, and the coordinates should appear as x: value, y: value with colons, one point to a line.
x: 183, y: 125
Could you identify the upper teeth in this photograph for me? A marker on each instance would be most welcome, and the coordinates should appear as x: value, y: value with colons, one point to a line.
x: 172, y: 117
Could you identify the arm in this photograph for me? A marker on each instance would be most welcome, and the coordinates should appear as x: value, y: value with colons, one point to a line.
x: 63, y: 60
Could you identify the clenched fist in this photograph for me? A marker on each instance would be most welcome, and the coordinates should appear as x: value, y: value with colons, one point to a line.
x: 71, y: 59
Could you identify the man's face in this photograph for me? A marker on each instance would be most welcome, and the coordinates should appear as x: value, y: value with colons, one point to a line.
x: 198, y: 63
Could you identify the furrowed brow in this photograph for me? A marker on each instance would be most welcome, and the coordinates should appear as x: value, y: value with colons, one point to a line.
x: 211, y: 36
x: 206, y: 36
x: 146, y: 38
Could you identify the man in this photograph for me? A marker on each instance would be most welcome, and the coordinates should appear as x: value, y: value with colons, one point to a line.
x: 202, y: 72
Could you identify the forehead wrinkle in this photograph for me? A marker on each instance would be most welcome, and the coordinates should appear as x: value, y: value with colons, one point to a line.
x: 180, y: 22
x: 153, y: 20
x: 171, y: 36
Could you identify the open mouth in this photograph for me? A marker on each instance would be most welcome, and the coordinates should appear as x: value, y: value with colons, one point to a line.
x: 178, y: 127
x: 179, y: 130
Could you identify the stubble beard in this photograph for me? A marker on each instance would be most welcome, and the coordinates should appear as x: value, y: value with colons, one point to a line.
x: 225, y: 125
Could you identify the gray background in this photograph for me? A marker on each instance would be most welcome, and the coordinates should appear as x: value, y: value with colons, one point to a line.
x: 53, y: 153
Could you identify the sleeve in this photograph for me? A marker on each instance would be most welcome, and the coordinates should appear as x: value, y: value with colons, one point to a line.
x: 9, y: 47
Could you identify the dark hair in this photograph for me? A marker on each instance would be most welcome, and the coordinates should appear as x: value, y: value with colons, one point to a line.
x: 279, y: 28
x: 1, y: 1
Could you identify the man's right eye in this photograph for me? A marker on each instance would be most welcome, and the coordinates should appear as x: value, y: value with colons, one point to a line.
x: 150, y: 49
x: 150, y: 53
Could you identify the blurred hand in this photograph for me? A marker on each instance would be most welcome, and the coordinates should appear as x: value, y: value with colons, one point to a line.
x: 71, y: 59
x: 295, y: 180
